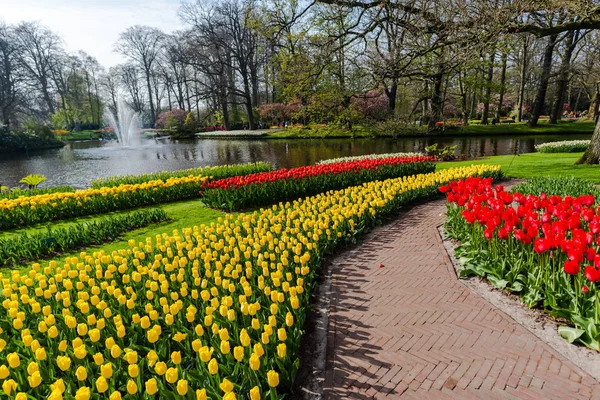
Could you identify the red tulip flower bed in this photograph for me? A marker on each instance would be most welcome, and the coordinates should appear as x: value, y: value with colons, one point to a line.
x: 265, y: 188
x: 544, y: 248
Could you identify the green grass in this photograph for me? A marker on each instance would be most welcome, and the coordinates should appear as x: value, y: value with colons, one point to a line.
x: 82, y: 135
x: 517, y: 128
x: 183, y: 214
x: 537, y: 164
x: 520, y: 128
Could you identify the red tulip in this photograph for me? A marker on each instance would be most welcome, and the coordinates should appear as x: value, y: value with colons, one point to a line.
x: 571, y: 267
x: 592, y: 274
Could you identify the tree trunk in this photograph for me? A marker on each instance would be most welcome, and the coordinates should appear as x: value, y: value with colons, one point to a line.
x: 502, y: 86
x: 592, y: 154
x: 437, y: 98
x: 538, y: 105
x: 563, y: 79
x: 595, y: 104
x: 152, y: 115
x: 391, y: 93
x: 488, y: 88
x: 463, y: 100
x: 522, y: 80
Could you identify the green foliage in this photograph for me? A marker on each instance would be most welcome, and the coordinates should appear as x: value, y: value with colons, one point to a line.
x: 190, y: 124
x: 171, y: 123
x: 444, y: 154
x: 397, y: 127
x: 26, y: 247
x: 33, y: 135
x: 558, y: 186
x: 216, y: 172
x: 32, y: 181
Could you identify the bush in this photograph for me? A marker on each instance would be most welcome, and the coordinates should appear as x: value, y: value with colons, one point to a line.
x: 32, y: 138
x: 566, y: 146
x: 27, y: 247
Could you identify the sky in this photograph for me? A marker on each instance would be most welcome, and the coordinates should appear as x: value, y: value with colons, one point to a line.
x: 93, y: 25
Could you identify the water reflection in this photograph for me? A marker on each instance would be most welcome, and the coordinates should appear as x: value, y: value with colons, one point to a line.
x: 78, y: 163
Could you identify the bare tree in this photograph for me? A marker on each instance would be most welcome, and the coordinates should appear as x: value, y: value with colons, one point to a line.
x: 142, y: 44
x: 37, y: 46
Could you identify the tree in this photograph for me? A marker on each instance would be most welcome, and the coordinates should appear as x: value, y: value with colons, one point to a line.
x: 37, y: 47
x: 11, y: 94
x: 142, y: 45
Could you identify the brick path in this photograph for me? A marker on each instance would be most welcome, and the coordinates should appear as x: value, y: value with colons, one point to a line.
x: 412, y: 330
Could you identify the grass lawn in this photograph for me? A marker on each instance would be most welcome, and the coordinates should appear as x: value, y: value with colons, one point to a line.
x: 518, y: 128
x: 537, y: 164
x: 82, y: 135
x: 183, y: 214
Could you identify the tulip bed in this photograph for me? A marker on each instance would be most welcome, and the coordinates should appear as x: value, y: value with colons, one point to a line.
x: 368, y: 157
x: 47, y: 207
x: 565, y: 146
x: 543, y: 248
x: 212, y: 311
x: 265, y: 188
x: 16, y: 193
x: 213, y: 173
x: 26, y: 247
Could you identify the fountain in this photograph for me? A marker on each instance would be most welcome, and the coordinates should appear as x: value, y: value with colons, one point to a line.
x: 126, y: 124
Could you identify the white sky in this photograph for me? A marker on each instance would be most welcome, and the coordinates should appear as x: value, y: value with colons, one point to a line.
x: 93, y: 25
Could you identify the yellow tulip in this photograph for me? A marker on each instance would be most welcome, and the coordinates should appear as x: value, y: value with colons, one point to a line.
x: 13, y: 360
x: 201, y: 394
x: 106, y: 370
x: 238, y: 353
x: 182, y: 387
x: 63, y: 362
x: 4, y: 371
x: 176, y: 357
x: 254, y: 362
x: 115, y: 351
x: 273, y: 378
x: 160, y: 368
x: 226, y: 385
x: 213, y: 366
x: 35, y: 379
x: 21, y: 396
x: 255, y: 393
x: 172, y: 375
x: 81, y: 373
x: 289, y: 319
x: 98, y: 358
x: 151, y: 386
x: 205, y: 354
x: 116, y: 395
x: 131, y: 386
x: 225, y: 347
x: 9, y: 386
x: 83, y: 393
x: 101, y: 384
x: 229, y: 396
x: 133, y: 370
x: 281, y: 350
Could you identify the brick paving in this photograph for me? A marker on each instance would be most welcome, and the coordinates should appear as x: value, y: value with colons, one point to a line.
x: 412, y: 330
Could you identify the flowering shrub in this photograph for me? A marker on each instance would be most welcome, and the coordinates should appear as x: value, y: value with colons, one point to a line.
x: 369, y: 157
x: 209, y: 312
x: 264, y: 188
x: 176, y: 116
x: 565, y: 146
x: 212, y: 173
x: 47, y: 207
x: 543, y: 248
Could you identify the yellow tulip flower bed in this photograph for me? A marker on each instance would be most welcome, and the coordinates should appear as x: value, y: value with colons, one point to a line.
x: 52, y: 206
x: 211, y: 312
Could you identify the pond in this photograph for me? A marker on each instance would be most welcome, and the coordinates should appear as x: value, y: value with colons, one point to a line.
x: 79, y: 162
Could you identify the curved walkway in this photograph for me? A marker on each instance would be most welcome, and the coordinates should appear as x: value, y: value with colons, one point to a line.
x: 410, y: 329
